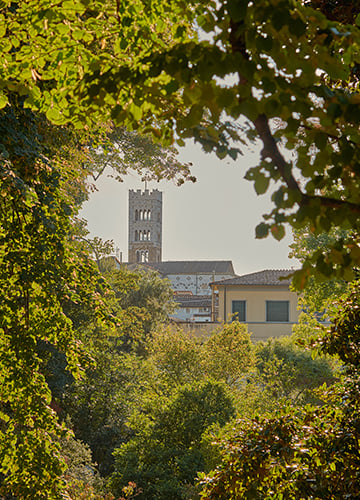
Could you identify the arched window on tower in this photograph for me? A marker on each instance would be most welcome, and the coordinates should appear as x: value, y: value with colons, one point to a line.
x: 140, y: 235
x: 145, y: 214
x: 138, y: 256
x: 136, y: 215
x: 145, y: 235
x: 149, y: 215
x: 148, y: 235
x: 146, y: 256
x: 140, y: 214
x: 136, y: 236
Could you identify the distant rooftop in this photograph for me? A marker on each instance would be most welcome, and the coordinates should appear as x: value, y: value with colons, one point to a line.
x: 193, y: 267
x: 266, y: 277
x: 193, y: 300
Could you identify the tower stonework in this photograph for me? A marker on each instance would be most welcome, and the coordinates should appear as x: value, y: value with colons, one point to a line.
x: 145, y: 226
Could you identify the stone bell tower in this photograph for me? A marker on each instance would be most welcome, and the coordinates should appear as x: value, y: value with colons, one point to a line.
x: 145, y: 226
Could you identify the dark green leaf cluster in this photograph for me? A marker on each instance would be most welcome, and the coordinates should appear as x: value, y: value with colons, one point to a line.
x: 165, y: 455
x: 288, y: 372
x: 39, y: 276
x: 100, y: 404
x: 178, y: 411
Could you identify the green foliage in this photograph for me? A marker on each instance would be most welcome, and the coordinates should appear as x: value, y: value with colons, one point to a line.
x: 308, y: 454
x: 153, y: 294
x: 318, y: 297
x: 38, y: 275
x: 260, y: 376
x: 141, y: 302
x: 102, y: 401
x: 176, y: 355
x: 124, y: 151
x: 292, y: 64
x: 80, y: 468
x: 227, y: 355
x: 305, y: 452
x: 100, y: 250
x: 120, y: 385
x: 343, y: 337
x: 288, y: 372
x: 319, y: 293
x: 49, y: 289
x: 165, y: 455
x: 100, y: 404
x: 152, y: 412
x: 49, y: 286
x: 294, y: 68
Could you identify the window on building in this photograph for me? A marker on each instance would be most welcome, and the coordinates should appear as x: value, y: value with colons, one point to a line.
x: 145, y: 214
x: 149, y: 214
x: 143, y: 256
x: 136, y: 215
x: 141, y: 215
x: 277, y: 311
x: 239, y: 310
x: 148, y: 235
x: 138, y: 256
x: 136, y: 236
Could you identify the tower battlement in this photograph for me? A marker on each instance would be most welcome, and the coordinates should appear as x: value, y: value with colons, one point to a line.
x: 146, y: 194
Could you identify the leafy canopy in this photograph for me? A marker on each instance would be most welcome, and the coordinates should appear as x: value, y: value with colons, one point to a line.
x: 276, y: 71
x: 40, y: 276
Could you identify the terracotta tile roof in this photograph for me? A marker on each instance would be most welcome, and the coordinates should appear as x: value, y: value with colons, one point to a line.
x: 266, y: 277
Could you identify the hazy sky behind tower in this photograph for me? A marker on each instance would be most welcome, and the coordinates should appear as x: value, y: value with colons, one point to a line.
x: 213, y: 219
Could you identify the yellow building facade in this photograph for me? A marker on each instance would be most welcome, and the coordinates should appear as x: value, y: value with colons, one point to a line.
x: 262, y: 300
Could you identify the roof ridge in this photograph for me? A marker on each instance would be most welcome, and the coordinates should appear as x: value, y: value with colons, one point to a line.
x: 264, y: 277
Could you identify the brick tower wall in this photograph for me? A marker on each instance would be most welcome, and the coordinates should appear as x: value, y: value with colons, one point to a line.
x: 145, y: 226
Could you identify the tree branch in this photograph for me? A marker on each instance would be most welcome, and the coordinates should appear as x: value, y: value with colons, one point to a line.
x: 270, y: 150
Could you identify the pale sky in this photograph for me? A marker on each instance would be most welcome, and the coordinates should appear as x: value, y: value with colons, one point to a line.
x: 213, y: 219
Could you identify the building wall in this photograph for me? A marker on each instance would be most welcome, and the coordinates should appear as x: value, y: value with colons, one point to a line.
x: 197, y: 284
x: 149, y: 202
x: 256, y: 298
x: 196, y: 314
